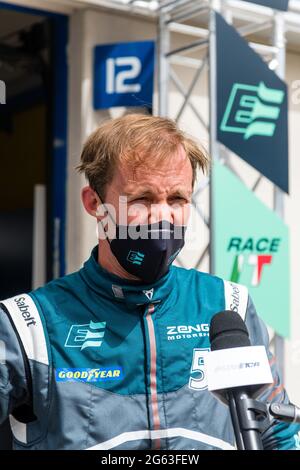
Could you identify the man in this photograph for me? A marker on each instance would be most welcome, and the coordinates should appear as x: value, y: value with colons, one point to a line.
x: 111, y: 356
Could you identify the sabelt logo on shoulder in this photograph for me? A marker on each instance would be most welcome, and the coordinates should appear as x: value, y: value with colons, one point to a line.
x: 24, y: 309
x: 235, y: 298
x: 187, y: 331
x: 88, y: 374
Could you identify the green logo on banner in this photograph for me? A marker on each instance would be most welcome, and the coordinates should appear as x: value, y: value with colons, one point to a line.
x: 251, y: 247
x: 252, y: 110
x: 250, y: 252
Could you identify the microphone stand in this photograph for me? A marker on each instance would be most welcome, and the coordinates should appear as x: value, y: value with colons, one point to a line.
x: 249, y: 418
x: 288, y: 413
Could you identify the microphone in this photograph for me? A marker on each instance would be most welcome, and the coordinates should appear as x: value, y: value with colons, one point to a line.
x: 237, y: 372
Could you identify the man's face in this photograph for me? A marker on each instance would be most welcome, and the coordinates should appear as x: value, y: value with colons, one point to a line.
x: 151, y: 193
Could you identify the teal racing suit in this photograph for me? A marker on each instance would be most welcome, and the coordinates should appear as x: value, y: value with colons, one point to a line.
x: 93, y: 361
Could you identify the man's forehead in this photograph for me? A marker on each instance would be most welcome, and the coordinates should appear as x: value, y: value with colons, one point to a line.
x: 153, y: 181
x: 144, y: 189
x: 176, y: 170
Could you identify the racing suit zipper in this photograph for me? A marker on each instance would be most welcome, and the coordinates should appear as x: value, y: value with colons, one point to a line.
x: 153, y: 371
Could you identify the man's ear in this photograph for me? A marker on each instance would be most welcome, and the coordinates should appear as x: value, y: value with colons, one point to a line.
x: 90, y: 200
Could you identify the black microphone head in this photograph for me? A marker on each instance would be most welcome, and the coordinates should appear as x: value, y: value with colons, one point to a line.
x: 228, y: 330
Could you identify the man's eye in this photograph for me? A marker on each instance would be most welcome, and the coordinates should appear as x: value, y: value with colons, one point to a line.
x: 179, y: 199
x: 138, y: 199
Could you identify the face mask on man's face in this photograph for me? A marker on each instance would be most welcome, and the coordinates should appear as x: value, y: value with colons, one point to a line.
x: 147, y: 251
x: 148, y: 258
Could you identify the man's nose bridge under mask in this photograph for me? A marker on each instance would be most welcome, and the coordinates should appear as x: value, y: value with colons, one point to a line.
x: 159, y: 212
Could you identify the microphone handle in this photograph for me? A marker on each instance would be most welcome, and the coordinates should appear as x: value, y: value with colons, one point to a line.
x: 235, y: 421
x: 246, y: 427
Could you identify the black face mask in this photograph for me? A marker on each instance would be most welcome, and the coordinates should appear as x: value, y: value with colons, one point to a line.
x: 148, y: 258
x: 147, y: 251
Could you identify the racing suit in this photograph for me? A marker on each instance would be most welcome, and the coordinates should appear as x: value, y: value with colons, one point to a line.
x: 93, y: 361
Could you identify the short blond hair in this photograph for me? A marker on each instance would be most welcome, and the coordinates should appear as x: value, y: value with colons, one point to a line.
x: 135, y: 139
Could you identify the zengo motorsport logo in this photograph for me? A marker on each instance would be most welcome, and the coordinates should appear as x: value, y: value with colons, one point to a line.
x: 258, y: 254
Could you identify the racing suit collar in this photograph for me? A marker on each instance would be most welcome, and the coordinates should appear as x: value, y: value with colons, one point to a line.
x: 132, y: 293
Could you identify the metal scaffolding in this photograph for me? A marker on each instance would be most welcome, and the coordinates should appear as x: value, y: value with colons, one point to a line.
x: 195, y: 19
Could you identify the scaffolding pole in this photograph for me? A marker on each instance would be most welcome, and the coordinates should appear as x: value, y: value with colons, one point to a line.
x: 279, y: 41
x: 213, y: 143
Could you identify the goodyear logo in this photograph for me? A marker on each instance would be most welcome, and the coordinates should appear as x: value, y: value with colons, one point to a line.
x: 88, y: 375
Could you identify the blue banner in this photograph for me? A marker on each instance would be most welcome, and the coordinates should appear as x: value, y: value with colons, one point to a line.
x: 124, y: 74
x: 276, y: 4
x: 252, y: 106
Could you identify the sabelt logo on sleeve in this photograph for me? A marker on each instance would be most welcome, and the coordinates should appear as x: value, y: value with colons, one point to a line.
x: 24, y: 309
x: 235, y: 298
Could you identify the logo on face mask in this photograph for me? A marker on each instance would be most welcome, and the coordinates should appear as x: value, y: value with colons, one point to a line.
x: 86, y: 336
x: 135, y: 257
